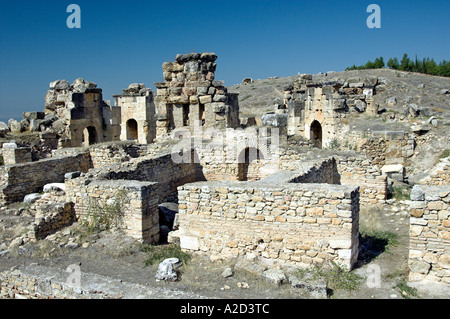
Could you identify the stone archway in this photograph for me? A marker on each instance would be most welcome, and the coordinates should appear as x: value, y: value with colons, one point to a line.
x: 132, y: 130
x: 316, y: 134
x: 90, y: 136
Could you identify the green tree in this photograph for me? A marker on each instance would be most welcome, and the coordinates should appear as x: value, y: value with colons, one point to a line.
x: 405, y: 63
x: 444, y: 68
x: 431, y: 66
x: 393, y: 63
x: 369, y: 65
x: 379, y: 63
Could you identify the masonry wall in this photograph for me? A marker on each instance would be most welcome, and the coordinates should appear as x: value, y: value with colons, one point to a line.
x: 18, y: 180
x: 114, y: 153
x: 429, y: 245
x: 352, y: 169
x: 130, y: 205
x: 40, y: 282
x: 161, y: 169
x: 18, y: 155
x: 381, y: 147
x: 356, y: 170
x: 302, y: 224
x: 440, y: 175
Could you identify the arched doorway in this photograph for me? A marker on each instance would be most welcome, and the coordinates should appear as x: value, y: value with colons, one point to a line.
x: 132, y: 130
x: 90, y: 136
x: 316, y: 134
x: 246, y: 158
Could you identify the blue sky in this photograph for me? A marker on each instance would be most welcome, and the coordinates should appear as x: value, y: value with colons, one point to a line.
x: 121, y: 42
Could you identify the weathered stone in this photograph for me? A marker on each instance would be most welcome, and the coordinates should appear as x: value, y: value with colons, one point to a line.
x: 228, y: 272
x: 417, y: 194
x: 59, y: 85
x: 60, y: 187
x: 31, y: 198
x: 275, y: 276
x: 168, y: 270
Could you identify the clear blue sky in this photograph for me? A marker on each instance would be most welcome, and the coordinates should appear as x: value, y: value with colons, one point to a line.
x: 121, y: 42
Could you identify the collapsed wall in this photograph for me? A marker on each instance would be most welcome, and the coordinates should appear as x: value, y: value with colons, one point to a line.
x: 302, y: 224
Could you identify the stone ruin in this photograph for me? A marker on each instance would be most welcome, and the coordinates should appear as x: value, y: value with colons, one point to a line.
x: 239, y: 191
x: 190, y: 96
x: 317, y: 110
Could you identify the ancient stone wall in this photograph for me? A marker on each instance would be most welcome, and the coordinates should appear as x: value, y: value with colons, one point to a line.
x: 15, y: 155
x: 303, y: 224
x: 105, y: 154
x: 137, y: 118
x: 440, y: 175
x: 352, y: 169
x: 161, y: 169
x: 386, y: 148
x: 429, y: 243
x: 22, y: 179
x: 51, y: 218
x: 40, y: 282
x: 358, y: 170
x: 123, y: 204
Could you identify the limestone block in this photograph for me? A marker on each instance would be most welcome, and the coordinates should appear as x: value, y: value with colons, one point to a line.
x: 189, y: 242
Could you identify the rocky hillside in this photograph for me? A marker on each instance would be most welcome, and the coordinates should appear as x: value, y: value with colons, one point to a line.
x: 397, y: 90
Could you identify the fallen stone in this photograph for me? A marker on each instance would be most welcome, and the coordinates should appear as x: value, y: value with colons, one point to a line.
x: 54, y: 187
x: 315, y: 287
x: 414, y: 110
x: 72, y: 175
x: 275, y: 276
x: 227, y: 273
x: 16, y: 243
x: 31, y: 198
x: 250, y: 267
x: 167, y: 270
x: 392, y: 101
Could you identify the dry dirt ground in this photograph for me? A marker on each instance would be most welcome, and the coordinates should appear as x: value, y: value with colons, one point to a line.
x: 383, y: 256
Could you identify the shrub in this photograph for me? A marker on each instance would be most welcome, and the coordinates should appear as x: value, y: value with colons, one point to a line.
x: 401, y: 193
x: 445, y: 153
x: 336, y: 277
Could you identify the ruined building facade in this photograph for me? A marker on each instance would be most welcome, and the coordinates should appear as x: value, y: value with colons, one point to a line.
x: 190, y: 96
x: 317, y: 110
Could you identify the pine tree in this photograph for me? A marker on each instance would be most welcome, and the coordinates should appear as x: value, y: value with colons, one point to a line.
x: 404, y: 63
x: 379, y: 63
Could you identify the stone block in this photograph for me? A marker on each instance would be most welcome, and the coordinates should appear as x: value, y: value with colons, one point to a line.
x: 189, y: 242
